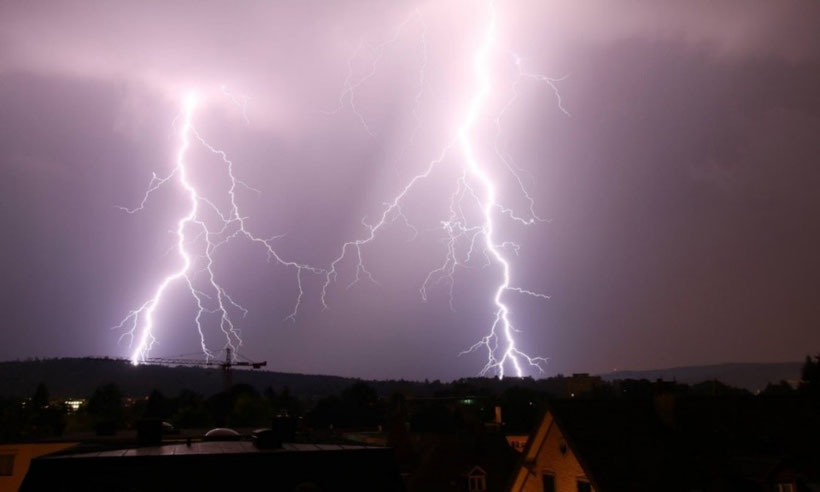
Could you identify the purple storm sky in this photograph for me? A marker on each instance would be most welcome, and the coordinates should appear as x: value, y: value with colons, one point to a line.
x: 682, y: 192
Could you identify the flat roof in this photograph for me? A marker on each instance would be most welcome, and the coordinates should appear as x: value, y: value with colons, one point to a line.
x: 210, y: 447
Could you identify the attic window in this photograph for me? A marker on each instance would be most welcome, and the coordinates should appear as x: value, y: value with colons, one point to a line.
x: 548, y: 482
x: 477, y: 480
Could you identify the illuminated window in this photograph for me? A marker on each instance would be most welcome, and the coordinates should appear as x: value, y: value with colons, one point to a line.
x: 73, y: 405
x: 548, y: 482
x: 6, y: 465
x: 784, y: 487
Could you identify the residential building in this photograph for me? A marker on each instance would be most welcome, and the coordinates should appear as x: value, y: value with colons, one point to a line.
x: 674, y: 444
x: 15, y: 459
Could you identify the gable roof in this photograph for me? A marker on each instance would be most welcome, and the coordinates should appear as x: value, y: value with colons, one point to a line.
x: 676, y: 444
x: 618, y: 444
x: 448, y: 458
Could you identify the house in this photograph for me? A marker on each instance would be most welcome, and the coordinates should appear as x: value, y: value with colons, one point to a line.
x: 668, y: 443
x: 15, y: 458
x: 451, y: 444
x: 468, y: 461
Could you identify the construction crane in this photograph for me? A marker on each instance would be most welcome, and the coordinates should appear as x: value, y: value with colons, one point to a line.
x: 227, y: 365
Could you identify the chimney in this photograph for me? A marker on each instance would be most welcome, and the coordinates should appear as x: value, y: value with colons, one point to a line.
x: 266, y: 439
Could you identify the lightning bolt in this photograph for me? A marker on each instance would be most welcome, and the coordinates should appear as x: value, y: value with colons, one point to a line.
x: 347, y: 97
x: 510, y: 352
x: 198, y: 239
x: 199, y: 234
x: 475, y: 188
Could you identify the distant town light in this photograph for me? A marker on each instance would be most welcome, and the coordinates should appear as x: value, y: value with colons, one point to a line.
x: 73, y: 405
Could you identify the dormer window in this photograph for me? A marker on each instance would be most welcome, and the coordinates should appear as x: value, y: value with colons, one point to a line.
x: 477, y: 480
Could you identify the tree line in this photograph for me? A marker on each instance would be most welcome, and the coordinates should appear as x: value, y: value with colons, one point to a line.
x: 358, y: 406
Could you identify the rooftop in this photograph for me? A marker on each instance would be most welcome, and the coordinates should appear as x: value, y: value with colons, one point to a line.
x: 208, y: 448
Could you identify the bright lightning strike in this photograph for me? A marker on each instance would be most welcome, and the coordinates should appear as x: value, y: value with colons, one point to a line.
x: 198, y: 239
x: 509, y: 352
x: 474, y: 187
x: 199, y: 234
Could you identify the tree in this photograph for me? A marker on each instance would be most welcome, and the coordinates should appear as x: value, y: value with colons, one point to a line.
x: 105, y: 408
x: 44, y: 419
x: 287, y: 404
x: 11, y: 418
x: 250, y: 410
x: 398, y: 432
x: 39, y: 399
x: 361, y: 405
x: 522, y: 408
x: 191, y: 411
x: 716, y: 388
x: 221, y: 405
x: 810, y: 375
x: 780, y: 389
x: 158, y: 406
x: 327, y: 412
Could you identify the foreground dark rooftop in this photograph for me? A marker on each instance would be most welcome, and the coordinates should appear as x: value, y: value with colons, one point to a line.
x: 213, y: 465
x: 209, y: 448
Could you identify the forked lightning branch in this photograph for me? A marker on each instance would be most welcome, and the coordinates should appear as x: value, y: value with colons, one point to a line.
x: 197, y: 242
x: 470, y: 224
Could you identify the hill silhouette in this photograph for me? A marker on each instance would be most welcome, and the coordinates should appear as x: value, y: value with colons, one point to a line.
x: 78, y: 377
x: 751, y: 376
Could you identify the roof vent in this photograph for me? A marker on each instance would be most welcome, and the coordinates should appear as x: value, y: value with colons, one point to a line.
x: 266, y: 439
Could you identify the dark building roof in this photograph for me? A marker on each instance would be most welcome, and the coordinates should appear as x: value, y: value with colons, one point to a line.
x: 746, y: 443
x: 446, y: 460
x: 617, y: 444
x: 230, y: 465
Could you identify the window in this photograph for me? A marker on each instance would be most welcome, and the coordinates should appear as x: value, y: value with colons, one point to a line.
x: 583, y: 486
x: 477, y: 480
x: 548, y: 481
x: 6, y: 465
x: 478, y: 483
x: 784, y: 487
x: 562, y: 446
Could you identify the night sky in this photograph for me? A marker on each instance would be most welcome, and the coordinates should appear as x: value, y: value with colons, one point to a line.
x: 681, y: 192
